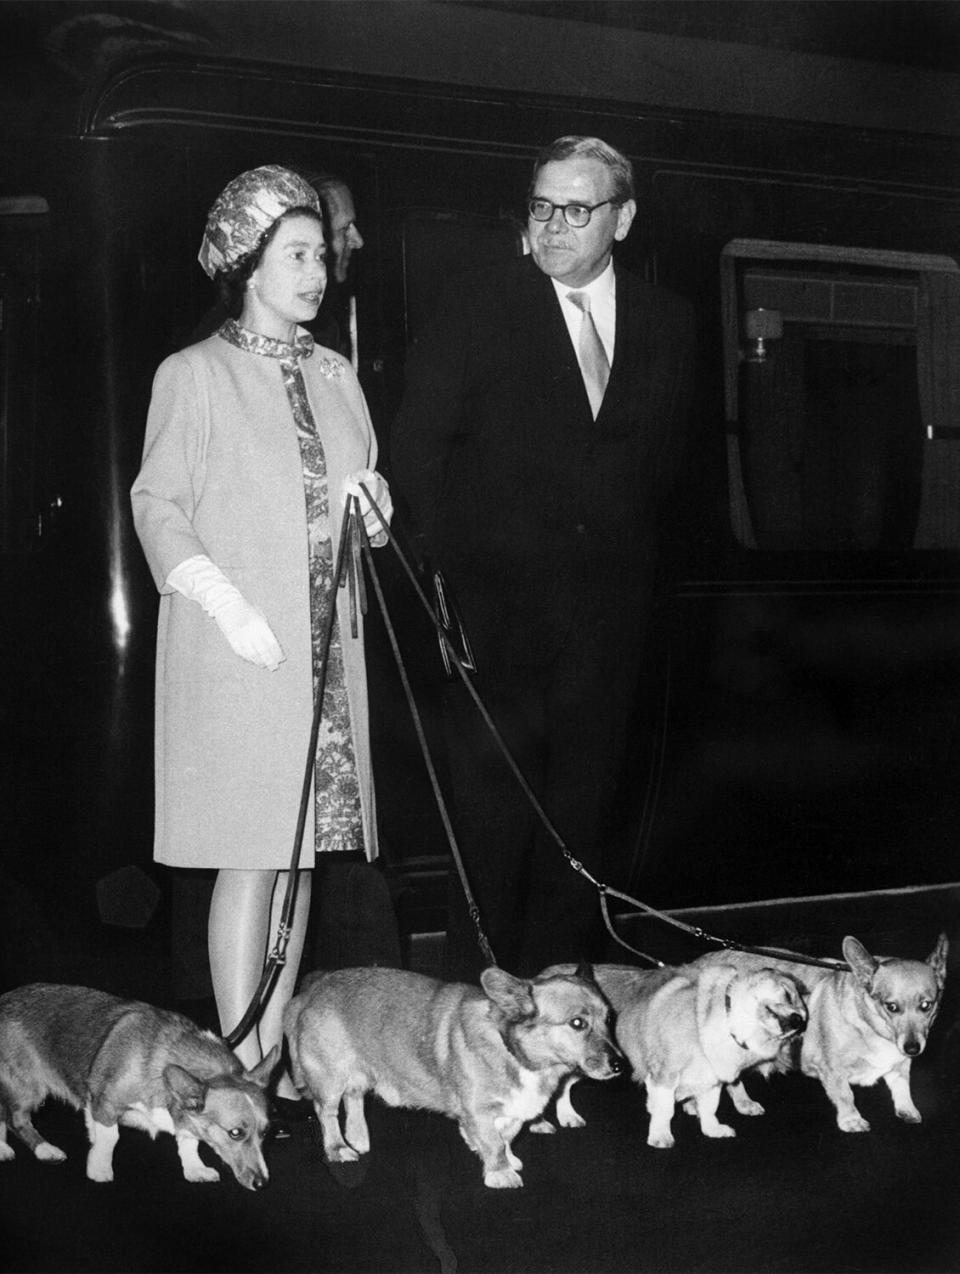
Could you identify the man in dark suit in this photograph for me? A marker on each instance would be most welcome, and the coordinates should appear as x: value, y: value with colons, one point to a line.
x: 335, y: 324
x: 536, y: 446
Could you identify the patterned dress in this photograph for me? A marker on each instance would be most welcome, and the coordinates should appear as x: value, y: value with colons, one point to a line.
x: 336, y: 786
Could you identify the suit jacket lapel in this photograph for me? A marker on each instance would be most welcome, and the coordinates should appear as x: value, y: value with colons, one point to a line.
x: 551, y: 351
x: 553, y: 360
x: 628, y: 390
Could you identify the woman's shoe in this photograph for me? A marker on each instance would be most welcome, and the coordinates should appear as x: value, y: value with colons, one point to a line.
x: 292, y: 1110
x: 286, y: 1112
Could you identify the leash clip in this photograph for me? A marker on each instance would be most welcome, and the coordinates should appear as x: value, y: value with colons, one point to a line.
x: 279, y: 953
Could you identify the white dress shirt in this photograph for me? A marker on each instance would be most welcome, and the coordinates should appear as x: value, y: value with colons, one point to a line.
x: 602, y: 292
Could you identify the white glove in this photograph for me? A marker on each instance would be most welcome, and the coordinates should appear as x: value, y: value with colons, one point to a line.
x: 249, y: 634
x: 243, y: 625
x: 377, y: 486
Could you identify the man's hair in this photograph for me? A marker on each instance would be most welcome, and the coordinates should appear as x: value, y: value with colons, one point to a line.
x: 323, y: 183
x: 618, y: 166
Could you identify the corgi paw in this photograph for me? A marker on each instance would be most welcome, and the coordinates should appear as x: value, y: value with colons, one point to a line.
x: 853, y: 1123
x: 718, y: 1130
x: 503, y: 1179
x: 910, y: 1116
x: 689, y: 1107
x: 342, y: 1154
x: 6, y: 1152
x: 201, y: 1173
x: 99, y: 1172
x: 743, y: 1103
x: 661, y: 1141
x: 542, y: 1126
x: 747, y: 1106
x: 48, y: 1153
x: 570, y: 1119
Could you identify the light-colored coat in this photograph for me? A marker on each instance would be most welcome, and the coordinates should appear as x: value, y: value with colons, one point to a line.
x: 222, y: 476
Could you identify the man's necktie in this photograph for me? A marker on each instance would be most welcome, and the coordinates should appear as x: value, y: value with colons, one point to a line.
x: 593, y: 357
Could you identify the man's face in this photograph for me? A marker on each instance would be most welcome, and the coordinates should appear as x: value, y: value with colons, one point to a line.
x: 345, y: 238
x: 575, y: 257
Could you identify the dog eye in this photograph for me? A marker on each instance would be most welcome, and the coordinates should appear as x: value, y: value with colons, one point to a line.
x: 578, y: 1023
x: 926, y: 1006
x: 892, y: 1006
x: 235, y: 1134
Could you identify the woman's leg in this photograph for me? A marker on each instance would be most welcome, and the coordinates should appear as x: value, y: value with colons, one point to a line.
x: 244, y: 914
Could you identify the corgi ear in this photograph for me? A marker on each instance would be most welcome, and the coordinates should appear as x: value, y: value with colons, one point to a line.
x: 512, y: 996
x: 937, y: 959
x: 860, y: 960
x: 585, y: 971
x: 189, y: 1091
x: 260, y: 1074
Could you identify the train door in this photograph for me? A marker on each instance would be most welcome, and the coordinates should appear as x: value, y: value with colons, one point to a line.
x: 815, y: 708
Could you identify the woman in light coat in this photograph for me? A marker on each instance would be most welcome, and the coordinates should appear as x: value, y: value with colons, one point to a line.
x: 253, y: 441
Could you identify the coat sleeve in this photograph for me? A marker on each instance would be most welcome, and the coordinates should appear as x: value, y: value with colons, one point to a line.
x: 363, y: 414
x: 431, y: 416
x: 165, y: 493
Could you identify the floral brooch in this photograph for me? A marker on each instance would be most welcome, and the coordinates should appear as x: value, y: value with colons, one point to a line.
x: 331, y: 368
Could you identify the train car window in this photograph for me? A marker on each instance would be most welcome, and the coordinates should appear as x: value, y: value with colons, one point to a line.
x: 841, y: 393
x: 23, y: 221
x: 439, y: 246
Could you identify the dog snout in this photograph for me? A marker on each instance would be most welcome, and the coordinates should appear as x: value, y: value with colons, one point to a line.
x: 912, y: 1047
x: 604, y: 1063
x: 253, y: 1176
x: 794, y: 1022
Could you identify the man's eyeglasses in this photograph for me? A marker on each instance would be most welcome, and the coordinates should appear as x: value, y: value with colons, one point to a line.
x: 574, y: 214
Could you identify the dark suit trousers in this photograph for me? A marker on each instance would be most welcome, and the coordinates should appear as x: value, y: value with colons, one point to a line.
x: 565, y: 726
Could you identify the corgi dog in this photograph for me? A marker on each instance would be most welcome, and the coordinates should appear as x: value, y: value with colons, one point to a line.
x: 490, y: 1057
x: 127, y: 1063
x: 688, y: 1032
x: 867, y: 1023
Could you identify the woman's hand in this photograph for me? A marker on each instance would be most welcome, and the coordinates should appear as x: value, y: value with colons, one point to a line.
x: 249, y: 634
x: 380, y: 493
x: 243, y: 625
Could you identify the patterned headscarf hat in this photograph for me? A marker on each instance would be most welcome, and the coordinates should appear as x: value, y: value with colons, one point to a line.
x: 248, y: 207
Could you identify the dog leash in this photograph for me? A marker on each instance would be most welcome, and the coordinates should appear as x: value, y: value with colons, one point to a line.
x: 350, y: 535
x: 353, y: 536
x: 448, y: 647
x: 604, y: 891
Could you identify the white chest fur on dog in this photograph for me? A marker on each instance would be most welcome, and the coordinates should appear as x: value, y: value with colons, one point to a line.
x: 865, y: 1072
x: 158, y: 1119
x: 526, y: 1101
